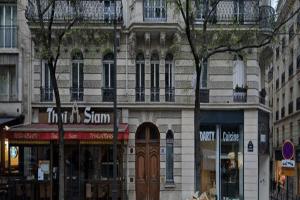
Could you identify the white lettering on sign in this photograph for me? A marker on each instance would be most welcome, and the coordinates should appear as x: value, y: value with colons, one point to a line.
x: 230, y: 137
x: 90, y: 117
x: 207, y: 135
x: 288, y: 163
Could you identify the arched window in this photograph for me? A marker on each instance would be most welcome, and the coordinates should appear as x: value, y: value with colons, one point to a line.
x: 169, y: 78
x: 169, y: 157
x: 155, y: 10
x: 108, y: 77
x: 140, y: 78
x: 154, y: 77
x: 77, y: 75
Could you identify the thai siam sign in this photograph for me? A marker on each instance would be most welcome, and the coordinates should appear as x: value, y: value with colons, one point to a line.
x: 89, y: 116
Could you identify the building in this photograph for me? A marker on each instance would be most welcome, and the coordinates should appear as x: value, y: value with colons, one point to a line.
x: 155, y: 103
x: 284, y: 86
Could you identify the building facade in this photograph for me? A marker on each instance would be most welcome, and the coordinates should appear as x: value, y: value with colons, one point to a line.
x: 155, y: 97
x: 284, y: 87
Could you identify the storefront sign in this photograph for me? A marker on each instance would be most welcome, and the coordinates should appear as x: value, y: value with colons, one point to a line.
x: 288, y: 150
x: 250, y: 146
x: 207, y: 136
x: 230, y: 137
x: 227, y: 136
x: 288, y: 163
x: 89, y: 116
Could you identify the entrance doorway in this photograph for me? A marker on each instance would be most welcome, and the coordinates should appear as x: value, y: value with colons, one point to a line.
x: 147, y: 162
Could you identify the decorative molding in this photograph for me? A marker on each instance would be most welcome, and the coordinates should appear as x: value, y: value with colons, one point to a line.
x: 147, y: 44
x: 132, y: 45
x: 162, y: 44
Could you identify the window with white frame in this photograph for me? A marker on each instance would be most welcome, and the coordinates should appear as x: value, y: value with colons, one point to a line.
x: 8, y: 83
x: 169, y: 78
x: 154, y: 77
x: 77, y: 76
x: 46, y: 84
x: 155, y: 10
x: 108, y: 77
x: 169, y: 157
x: 239, y: 73
x: 140, y: 78
x: 8, y: 25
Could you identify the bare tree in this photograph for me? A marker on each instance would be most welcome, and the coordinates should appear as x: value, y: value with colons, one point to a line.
x: 49, y: 39
x: 205, y: 43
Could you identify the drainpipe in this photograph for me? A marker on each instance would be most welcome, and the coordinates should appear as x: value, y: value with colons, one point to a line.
x: 126, y: 69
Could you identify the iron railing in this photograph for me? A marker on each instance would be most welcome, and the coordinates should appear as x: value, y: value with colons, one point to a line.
x: 170, y: 94
x: 87, y: 10
x: 239, y: 96
x: 108, y: 94
x: 76, y: 94
x: 8, y: 36
x: 140, y: 94
x: 242, y: 12
x: 154, y: 94
x: 46, y: 94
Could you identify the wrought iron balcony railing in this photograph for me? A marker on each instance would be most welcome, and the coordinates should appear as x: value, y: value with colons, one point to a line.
x: 46, y: 94
x: 239, y: 96
x: 76, y: 94
x: 140, y: 94
x: 154, y: 94
x: 170, y: 94
x: 108, y: 94
x: 8, y: 36
x: 88, y: 10
x: 266, y: 18
x: 230, y: 11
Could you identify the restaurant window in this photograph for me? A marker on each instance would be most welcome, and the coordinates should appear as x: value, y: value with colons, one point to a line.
x: 46, y: 85
x: 169, y: 157
x: 108, y: 77
x: 221, y: 161
x: 169, y: 78
x: 140, y: 78
x: 107, y: 163
x: 155, y: 10
x: 8, y: 24
x: 8, y: 83
x: 154, y: 77
x: 77, y: 76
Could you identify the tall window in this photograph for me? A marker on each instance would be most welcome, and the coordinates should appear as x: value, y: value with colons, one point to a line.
x: 140, y: 78
x: 108, y: 10
x: 46, y: 85
x: 155, y: 10
x: 169, y: 157
x: 154, y: 77
x: 238, y: 73
x: 8, y: 83
x: 108, y: 79
x: 8, y: 26
x: 169, y: 78
x: 77, y: 76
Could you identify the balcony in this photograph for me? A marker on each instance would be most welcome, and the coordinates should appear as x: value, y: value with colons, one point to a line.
x: 266, y: 18
x: 204, y: 95
x: 8, y: 36
x: 240, y: 95
x: 76, y: 94
x: 282, y: 112
x: 46, y: 94
x: 298, y: 104
x: 170, y: 94
x: 108, y: 94
x: 154, y: 94
x: 140, y: 94
x: 230, y: 11
x: 291, y: 107
x: 87, y: 10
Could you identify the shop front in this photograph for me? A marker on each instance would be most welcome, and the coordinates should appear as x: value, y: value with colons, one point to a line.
x: 32, y: 163
x: 221, y: 155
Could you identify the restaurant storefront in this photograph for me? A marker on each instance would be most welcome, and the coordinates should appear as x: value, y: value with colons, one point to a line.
x: 32, y: 162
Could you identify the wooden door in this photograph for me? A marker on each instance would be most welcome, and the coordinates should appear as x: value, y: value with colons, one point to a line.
x: 147, y: 164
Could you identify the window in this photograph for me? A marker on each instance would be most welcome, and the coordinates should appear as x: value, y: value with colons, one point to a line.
x: 8, y: 83
x: 282, y: 79
x: 277, y: 135
x: 108, y: 10
x: 169, y: 157
x: 108, y: 79
x: 277, y: 53
x: 8, y: 26
x: 77, y: 76
x: 169, y: 78
x: 155, y: 10
x: 238, y: 72
x: 154, y: 77
x: 140, y: 78
x: 203, y: 76
x: 46, y: 85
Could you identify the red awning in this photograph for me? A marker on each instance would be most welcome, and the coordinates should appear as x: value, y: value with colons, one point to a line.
x: 72, y: 132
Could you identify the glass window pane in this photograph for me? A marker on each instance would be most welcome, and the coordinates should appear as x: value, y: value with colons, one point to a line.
x: 157, y: 76
x: 75, y: 76
x: 169, y: 163
x: 137, y: 75
x: 112, y: 73
x: 4, y: 81
x: 167, y: 75
x: 13, y: 82
x: 143, y: 75
x: 152, y: 75
x: 106, y: 75
x: 81, y: 75
x: 1, y: 15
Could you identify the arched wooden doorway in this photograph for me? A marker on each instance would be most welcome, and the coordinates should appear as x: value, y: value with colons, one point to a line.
x: 147, y: 163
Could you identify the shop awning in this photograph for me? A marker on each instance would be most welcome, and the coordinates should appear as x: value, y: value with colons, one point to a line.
x: 72, y: 132
x: 10, y: 121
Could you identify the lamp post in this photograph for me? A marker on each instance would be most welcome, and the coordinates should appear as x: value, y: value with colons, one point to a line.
x: 115, y: 135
